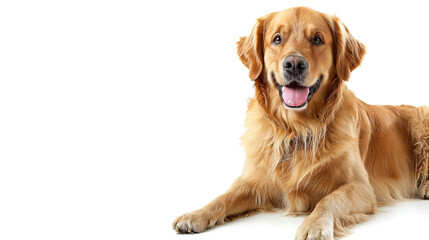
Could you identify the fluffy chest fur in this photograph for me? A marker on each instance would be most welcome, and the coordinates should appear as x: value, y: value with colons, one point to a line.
x: 305, y: 163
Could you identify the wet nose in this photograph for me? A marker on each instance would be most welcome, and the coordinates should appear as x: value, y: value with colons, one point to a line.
x: 295, y: 65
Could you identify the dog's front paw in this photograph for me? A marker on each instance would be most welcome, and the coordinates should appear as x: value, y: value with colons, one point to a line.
x: 316, y: 229
x: 196, y: 222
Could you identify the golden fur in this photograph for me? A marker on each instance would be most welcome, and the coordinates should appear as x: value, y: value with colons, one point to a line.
x: 335, y: 160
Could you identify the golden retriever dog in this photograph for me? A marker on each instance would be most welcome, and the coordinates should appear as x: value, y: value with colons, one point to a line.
x: 312, y: 147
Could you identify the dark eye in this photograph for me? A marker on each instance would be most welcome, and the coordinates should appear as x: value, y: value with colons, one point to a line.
x: 317, y: 40
x: 277, y: 39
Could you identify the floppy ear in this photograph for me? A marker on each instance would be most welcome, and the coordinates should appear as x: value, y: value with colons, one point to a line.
x: 349, y: 51
x: 250, y: 50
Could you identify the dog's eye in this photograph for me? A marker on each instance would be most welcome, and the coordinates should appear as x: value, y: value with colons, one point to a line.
x: 317, y: 40
x: 277, y: 39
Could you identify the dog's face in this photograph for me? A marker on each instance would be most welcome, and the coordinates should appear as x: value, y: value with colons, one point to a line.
x: 298, y: 55
x: 299, y: 51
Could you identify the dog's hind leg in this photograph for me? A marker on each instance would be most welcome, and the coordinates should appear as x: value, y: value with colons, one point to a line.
x: 420, y: 136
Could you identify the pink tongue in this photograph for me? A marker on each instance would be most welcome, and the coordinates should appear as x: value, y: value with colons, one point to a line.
x: 294, y: 96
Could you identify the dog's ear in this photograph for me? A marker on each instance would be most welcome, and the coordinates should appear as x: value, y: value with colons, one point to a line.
x: 250, y: 50
x: 349, y: 51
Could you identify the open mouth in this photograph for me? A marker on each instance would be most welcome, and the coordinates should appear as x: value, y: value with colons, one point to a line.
x: 294, y: 95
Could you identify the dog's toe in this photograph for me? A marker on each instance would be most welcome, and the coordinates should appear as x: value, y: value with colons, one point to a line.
x: 316, y: 229
x: 195, y: 222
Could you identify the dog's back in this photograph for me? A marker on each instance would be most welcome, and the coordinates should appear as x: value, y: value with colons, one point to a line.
x: 396, y: 170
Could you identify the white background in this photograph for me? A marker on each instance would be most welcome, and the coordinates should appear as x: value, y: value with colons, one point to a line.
x: 118, y: 116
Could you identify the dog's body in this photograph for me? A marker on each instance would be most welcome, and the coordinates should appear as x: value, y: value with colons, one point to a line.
x: 312, y: 147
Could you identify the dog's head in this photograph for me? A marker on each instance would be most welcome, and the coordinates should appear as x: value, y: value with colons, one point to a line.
x: 298, y: 53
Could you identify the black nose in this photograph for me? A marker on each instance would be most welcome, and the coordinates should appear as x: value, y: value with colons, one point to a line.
x: 295, y: 65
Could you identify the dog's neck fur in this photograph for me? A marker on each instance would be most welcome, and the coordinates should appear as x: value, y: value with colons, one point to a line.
x: 300, y: 132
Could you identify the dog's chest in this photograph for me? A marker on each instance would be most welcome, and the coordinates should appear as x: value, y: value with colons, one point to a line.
x: 305, y: 177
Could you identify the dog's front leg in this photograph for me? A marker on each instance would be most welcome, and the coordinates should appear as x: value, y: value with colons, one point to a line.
x: 349, y: 204
x: 244, y: 195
